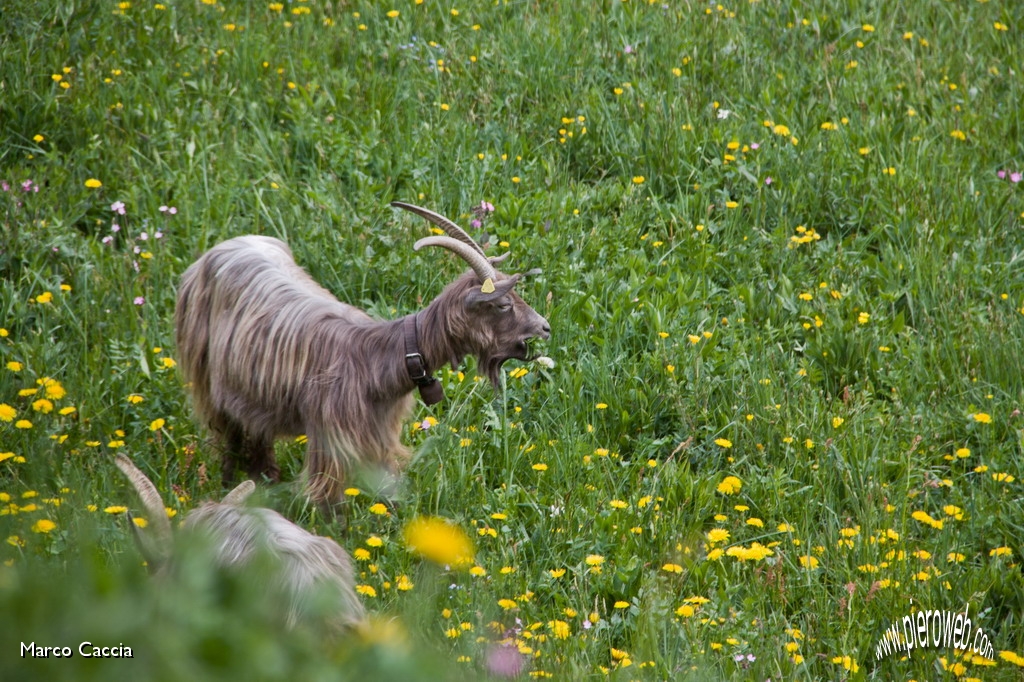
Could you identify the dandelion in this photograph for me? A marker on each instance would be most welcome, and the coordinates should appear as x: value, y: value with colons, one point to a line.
x: 672, y: 568
x: 716, y: 535
x: 507, y: 604
x: 379, y: 509
x: 837, y: 422
x: 157, y: 424
x: 7, y: 413
x: 730, y: 485
x: 23, y: 424
x: 14, y: 366
x: 478, y: 572
x: 723, y: 443
x: 809, y: 562
x: 93, y: 183
x: 43, y: 526
x: 982, y: 418
x: 116, y: 509
x: 439, y: 540
x: 42, y: 405
x: 366, y: 590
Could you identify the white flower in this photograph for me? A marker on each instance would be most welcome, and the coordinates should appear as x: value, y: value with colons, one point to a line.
x: 545, y: 361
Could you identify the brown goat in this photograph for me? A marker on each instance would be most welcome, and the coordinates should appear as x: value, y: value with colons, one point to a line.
x: 270, y: 353
x: 307, y: 564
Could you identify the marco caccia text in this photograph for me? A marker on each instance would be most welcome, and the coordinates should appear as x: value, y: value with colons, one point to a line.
x: 85, y: 650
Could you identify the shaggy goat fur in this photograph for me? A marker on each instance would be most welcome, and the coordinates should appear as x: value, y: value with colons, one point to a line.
x: 270, y: 353
x: 306, y: 564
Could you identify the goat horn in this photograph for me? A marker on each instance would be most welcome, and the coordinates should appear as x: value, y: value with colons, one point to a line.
x: 481, y: 266
x: 450, y: 228
x: 151, y: 500
x: 239, y: 493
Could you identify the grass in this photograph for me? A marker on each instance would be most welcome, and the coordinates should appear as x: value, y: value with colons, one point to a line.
x: 780, y: 241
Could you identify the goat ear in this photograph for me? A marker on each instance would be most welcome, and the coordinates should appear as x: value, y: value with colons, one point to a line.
x: 497, y: 290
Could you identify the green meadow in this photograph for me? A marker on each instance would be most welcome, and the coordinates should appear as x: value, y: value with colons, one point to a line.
x: 782, y: 247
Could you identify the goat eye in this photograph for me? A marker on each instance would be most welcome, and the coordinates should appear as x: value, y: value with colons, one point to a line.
x: 504, y: 307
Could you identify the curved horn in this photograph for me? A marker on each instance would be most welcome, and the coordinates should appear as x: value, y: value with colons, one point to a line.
x: 240, y: 492
x: 450, y: 228
x: 481, y: 266
x: 151, y: 501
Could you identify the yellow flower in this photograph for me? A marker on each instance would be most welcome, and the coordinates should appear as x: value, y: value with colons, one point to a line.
x: 639, y: 179
x: 361, y: 554
x: 619, y: 504
x: 23, y: 424
x: 168, y: 363
x: 43, y: 526
x: 601, y: 406
x: 540, y: 466
x: 379, y: 509
x: 116, y: 510
x: 982, y: 418
x: 439, y: 541
x: 559, y: 629
x: 366, y: 590
x: 837, y: 422
x: 672, y: 568
x: 507, y: 604
x: 157, y: 424
x: 478, y: 572
x: 135, y: 398
x: 352, y: 492
x: 923, y: 517
x: 716, y: 535
x: 393, y: 13
x: 42, y: 405
x: 755, y: 522
x: 557, y: 572
x: 621, y: 604
x: 809, y: 562
x: 14, y: 366
x: 7, y: 413
x: 374, y: 541
x: 723, y: 443
x: 730, y: 485
x: 594, y: 560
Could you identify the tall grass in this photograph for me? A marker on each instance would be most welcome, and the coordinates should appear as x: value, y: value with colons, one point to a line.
x: 780, y: 242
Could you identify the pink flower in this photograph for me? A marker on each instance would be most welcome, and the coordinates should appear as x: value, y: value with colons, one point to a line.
x: 144, y: 236
x: 755, y: 145
x: 475, y: 223
x: 171, y: 210
x: 117, y: 207
x: 1001, y: 174
x: 139, y: 300
x: 114, y: 227
x: 107, y: 239
x: 768, y: 180
x: 1015, y: 176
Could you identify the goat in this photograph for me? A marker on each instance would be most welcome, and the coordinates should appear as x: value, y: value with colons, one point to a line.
x: 305, y: 562
x: 269, y: 353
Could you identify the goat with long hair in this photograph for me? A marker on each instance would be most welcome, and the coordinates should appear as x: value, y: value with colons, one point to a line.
x: 270, y: 353
x: 305, y: 565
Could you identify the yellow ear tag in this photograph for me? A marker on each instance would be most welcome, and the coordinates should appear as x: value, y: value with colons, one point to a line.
x: 487, y: 287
